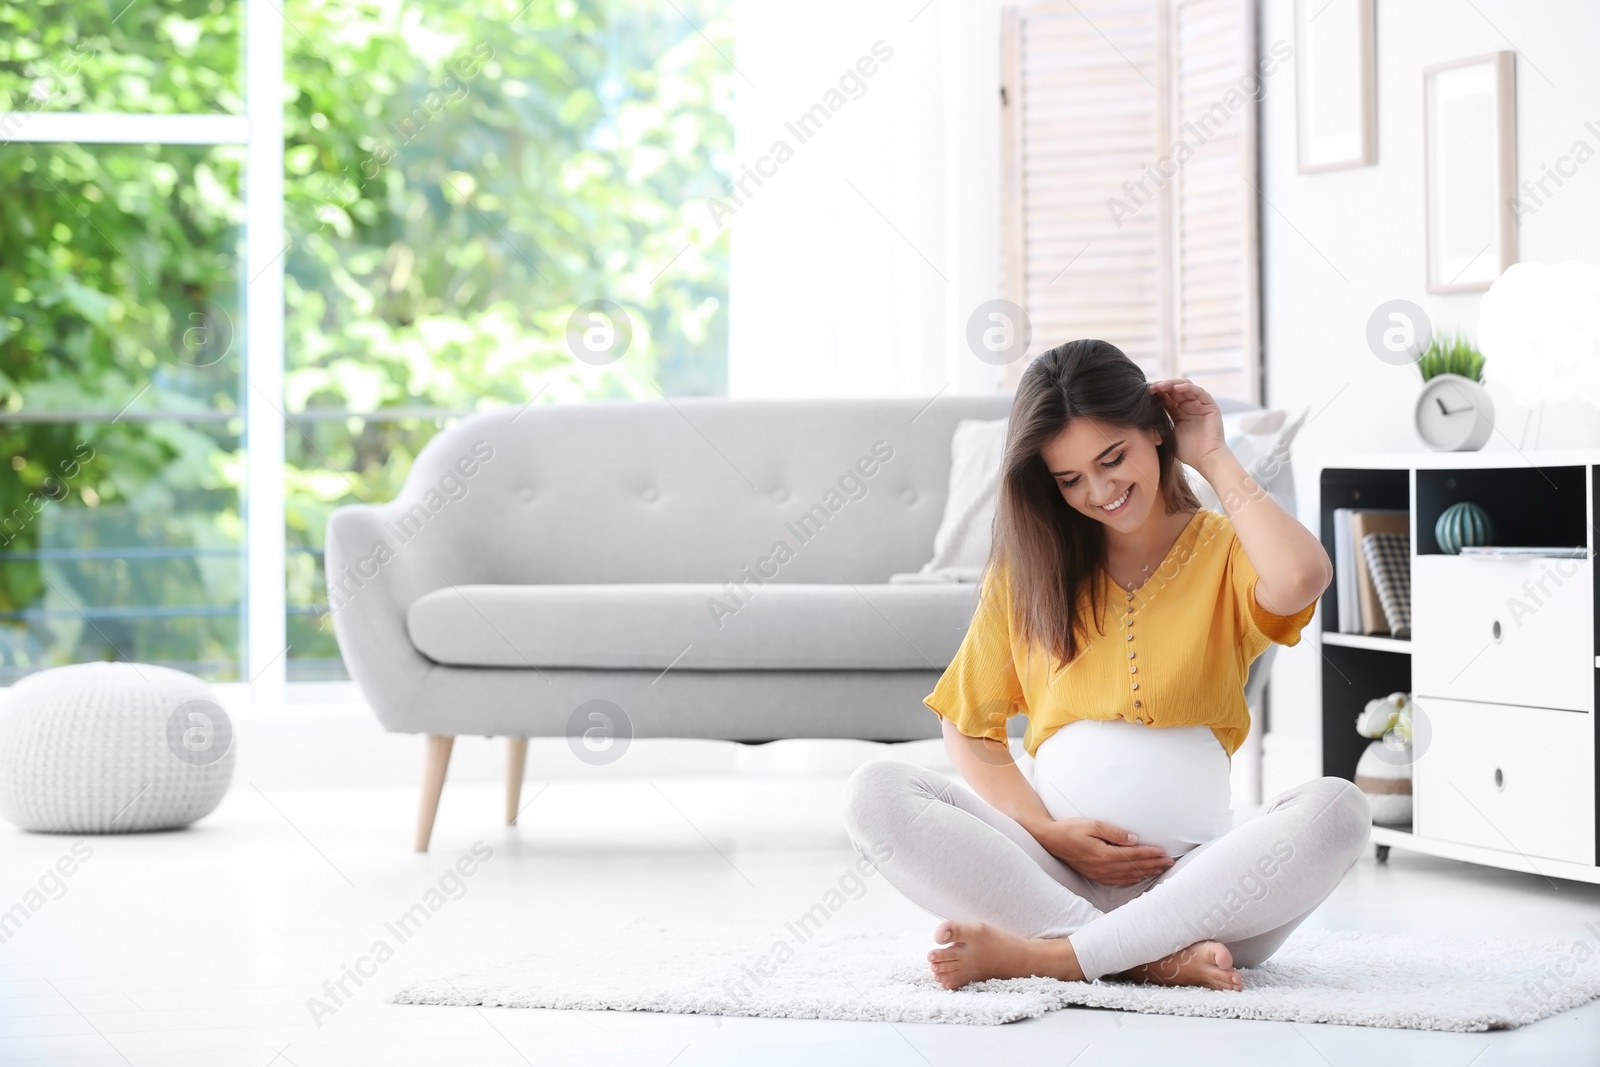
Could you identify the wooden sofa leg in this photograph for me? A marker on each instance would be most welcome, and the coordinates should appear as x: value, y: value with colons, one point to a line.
x: 516, y: 763
x: 432, y: 785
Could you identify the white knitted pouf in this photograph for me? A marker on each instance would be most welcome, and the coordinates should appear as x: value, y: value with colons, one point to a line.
x: 110, y: 748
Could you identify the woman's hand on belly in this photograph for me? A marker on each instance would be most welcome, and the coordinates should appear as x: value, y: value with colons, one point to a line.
x: 1099, y: 851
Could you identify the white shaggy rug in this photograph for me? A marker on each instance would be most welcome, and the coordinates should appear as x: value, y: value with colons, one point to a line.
x: 1360, y: 979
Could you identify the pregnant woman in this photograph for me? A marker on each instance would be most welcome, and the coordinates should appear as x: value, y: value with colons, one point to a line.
x: 1121, y: 618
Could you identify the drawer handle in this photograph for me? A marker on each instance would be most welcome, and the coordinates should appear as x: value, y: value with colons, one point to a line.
x: 1496, y: 630
x: 1499, y: 779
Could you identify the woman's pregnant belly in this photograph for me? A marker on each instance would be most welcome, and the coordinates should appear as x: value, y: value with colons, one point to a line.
x: 1168, y: 784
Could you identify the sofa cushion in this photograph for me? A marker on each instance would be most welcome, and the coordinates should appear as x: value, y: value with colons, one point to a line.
x: 977, y: 452
x: 694, y: 626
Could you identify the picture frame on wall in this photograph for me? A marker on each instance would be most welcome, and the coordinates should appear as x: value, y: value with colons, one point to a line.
x: 1336, y: 87
x: 1470, y: 170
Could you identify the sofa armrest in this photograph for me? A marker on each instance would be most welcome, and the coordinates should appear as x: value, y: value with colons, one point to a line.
x: 372, y: 579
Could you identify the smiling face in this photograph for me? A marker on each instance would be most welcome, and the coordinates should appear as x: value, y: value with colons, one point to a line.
x: 1096, y: 463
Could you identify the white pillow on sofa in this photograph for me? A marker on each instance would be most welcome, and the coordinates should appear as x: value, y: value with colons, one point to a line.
x: 961, y: 546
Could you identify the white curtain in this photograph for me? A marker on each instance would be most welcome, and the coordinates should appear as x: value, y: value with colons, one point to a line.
x: 865, y: 210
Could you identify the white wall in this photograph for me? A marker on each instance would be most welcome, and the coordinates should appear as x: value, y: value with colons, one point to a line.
x: 1336, y: 245
x: 857, y: 259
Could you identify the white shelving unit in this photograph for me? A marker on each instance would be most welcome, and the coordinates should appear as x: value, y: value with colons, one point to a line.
x: 1378, y: 642
x: 1503, y: 662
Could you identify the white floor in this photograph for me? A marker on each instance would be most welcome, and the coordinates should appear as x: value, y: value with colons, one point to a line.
x: 202, y: 947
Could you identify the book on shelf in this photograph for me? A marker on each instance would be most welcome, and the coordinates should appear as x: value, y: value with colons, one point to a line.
x: 1343, y: 574
x: 1361, y: 609
x: 1524, y: 551
x: 1363, y: 523
x: 1388, y: 560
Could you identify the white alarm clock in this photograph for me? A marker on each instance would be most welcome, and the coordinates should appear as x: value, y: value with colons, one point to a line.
x: 1454, y: 413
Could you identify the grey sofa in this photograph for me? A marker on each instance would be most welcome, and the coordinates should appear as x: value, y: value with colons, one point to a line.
x: 712, y: 568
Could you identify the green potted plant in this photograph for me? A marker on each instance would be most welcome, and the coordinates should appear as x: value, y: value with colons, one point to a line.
x: 1454, y: 354
x: 1454, y: 412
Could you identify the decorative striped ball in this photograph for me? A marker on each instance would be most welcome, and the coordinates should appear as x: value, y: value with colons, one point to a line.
x: 1463, y: 524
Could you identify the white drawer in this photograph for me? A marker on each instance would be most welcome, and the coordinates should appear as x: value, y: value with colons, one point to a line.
x: 1514, y: 779
x: 1484, y: 629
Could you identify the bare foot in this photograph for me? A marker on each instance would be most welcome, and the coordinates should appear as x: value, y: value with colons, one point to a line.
x: 1204, y: 963
x: 974, y: 952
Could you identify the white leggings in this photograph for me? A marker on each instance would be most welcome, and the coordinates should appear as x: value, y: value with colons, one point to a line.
x: 957, y: 857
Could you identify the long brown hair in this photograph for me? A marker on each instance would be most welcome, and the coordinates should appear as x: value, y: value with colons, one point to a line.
x: 1051, y: 553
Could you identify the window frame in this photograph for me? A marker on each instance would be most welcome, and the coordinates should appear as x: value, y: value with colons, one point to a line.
x: 260, y: 130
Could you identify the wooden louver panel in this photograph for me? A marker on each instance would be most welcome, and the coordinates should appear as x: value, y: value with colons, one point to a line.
x: 1080, y: 117
x: 1105, y: 231
x: 1214, y: 215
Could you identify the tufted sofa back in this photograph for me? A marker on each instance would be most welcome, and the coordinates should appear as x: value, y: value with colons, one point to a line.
x: 686, y: 490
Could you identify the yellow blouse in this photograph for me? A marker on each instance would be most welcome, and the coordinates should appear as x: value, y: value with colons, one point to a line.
x: 1176, y: 651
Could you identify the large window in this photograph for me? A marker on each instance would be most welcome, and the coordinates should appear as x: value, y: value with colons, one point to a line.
x: 118, y: 285
x: 257, y: 254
